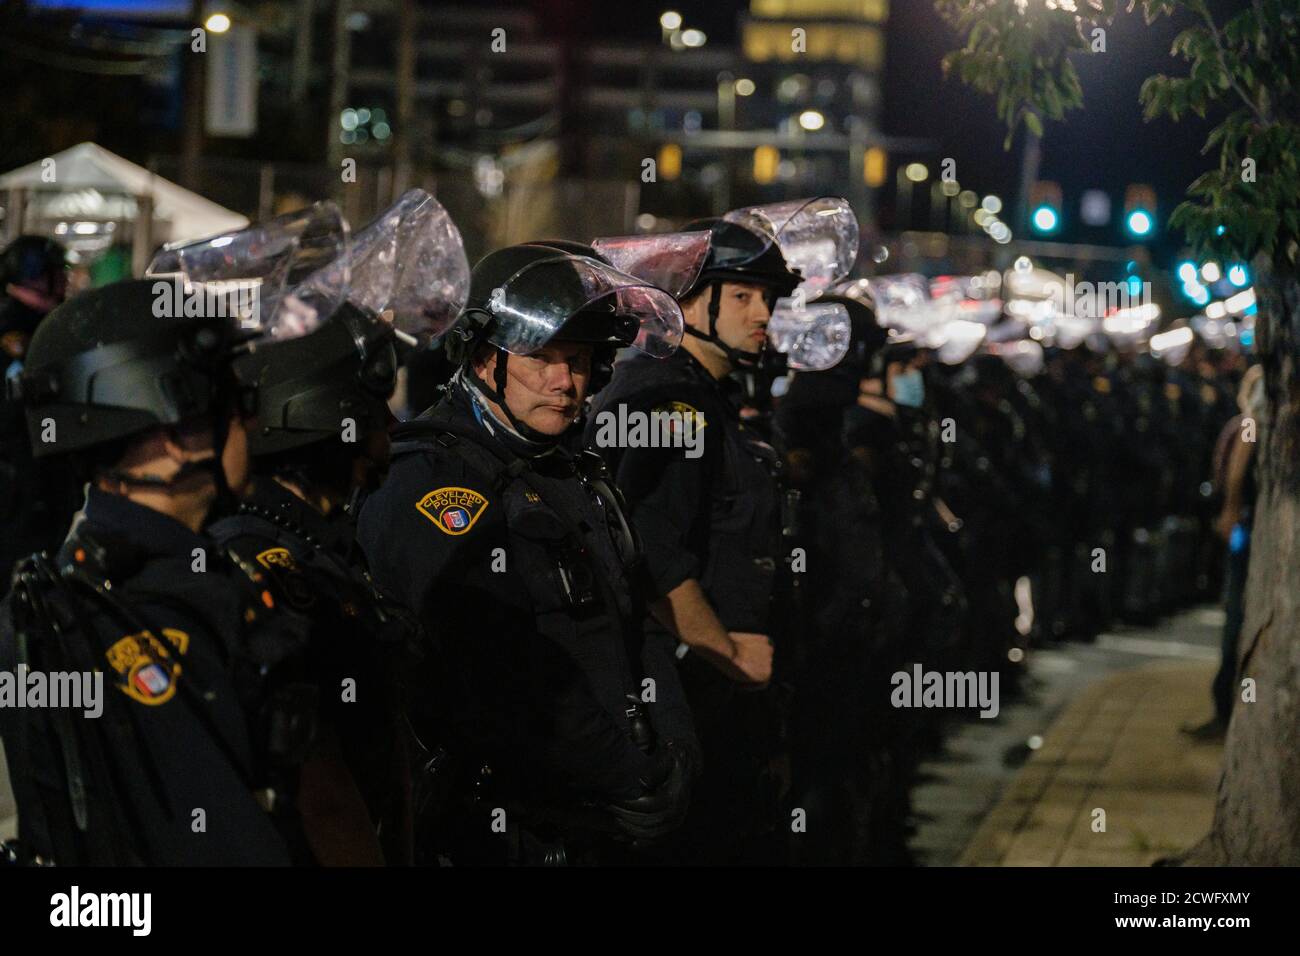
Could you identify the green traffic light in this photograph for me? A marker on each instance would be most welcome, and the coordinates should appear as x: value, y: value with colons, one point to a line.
x: 1140, y: 222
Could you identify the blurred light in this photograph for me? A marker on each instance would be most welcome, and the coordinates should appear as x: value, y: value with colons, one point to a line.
x: 348, y: 119
x: 981, y: 217
x: 670, y: 20
x: 1016, y: 655
x: 968, y: 198
x: 766, y: 161
x: 1240, y: 301
x: 1134, y: 285
x: 1215, y: 310
x: 949, y: 189
x: 811, y: 120
x: 1023, y: 264
x: 1220, y: 231
x: 693, y: 38
x: 1210, y: 272
x: 1140, y: 222
x: 646, y: 221
x: 1238, y: 275
x: 363, y: 115
x: 457, y: 108
x: 222, y: 241
x: 993, y: 204
x: 1046, y: 219
x: 875, y: 167
x: 669, y: 163
x: 1187, y: 271
x: 85, y: 228
x: 916, y: 172
x: 381, y: 130
x: 1198, y: 294
x: 378, y: 115
x: 357, y: 21
x: 1094, y: 208
x: 744, y: 87
x: 1174, y: 338
x: 1034, y: 743
x: 218, y: 23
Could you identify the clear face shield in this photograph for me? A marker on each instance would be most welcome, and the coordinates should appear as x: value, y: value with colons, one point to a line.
x: 533, y: 304
x: 818, y: 238
x: 408, y: 267
x: 265, y: 268
x: 671, y: 261
x: 813, y: 337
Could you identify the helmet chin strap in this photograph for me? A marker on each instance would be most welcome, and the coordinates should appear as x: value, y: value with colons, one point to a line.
x: 531, y: 437
x: 737, y: 357
x: 226, y: 500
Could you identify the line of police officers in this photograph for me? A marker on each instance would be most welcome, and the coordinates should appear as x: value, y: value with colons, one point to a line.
x: 499, y: 640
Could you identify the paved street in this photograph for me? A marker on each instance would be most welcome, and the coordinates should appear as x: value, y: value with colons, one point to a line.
x: 1098, y: 729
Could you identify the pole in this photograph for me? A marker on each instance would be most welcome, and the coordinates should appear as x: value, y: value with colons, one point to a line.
x: 192, y: 121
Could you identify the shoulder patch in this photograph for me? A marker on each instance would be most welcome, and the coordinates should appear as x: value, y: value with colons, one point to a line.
x: 145, y: 667
x: 277, y: 558
x: 685, y: 411
x: 454, y: 510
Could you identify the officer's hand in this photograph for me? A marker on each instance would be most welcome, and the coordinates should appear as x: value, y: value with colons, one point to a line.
x: 752, y: 661
x: 662, y: 806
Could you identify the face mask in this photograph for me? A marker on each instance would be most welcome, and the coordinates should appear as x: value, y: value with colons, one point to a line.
x: 909, y: 389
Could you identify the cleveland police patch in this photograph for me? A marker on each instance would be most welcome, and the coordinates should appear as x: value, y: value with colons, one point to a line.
x: 146, y: 670
x: 453, y: 510
x: 690, y: 417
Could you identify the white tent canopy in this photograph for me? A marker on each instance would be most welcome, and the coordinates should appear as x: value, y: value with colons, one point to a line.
x: 87, y: 182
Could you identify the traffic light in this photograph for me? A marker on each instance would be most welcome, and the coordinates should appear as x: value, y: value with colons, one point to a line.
x: 1140, y: 211
x: 1045, y: 207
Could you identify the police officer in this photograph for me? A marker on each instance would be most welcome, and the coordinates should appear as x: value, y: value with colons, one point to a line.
x: 711, y: 521
x: 192, y: 753
x: 321, y: 439
x: 37, y: 499
x: 570, y: 740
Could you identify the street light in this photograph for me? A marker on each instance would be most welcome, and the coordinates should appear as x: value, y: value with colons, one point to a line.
x: 811, y: 120
x: 917, y: 172
x: 693, y: 38
x: 670, y: 20
x: 217, y: 23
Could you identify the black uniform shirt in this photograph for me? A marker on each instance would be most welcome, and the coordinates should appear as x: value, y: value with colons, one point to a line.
x: 714, y: 517
x: 181, y: 688
x: 533, y: 624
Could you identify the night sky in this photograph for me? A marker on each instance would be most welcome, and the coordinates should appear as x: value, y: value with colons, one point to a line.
x: 1106, y: 145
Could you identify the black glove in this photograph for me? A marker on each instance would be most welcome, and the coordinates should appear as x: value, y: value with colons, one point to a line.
x: 662, y: 807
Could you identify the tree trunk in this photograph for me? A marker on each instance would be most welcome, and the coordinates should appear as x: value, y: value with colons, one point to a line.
x: 1257, y: 816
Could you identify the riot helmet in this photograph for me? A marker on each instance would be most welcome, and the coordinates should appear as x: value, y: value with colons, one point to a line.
x: 525, y: 296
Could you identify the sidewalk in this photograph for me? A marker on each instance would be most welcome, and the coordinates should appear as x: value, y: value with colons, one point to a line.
x: 1115, y: 747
